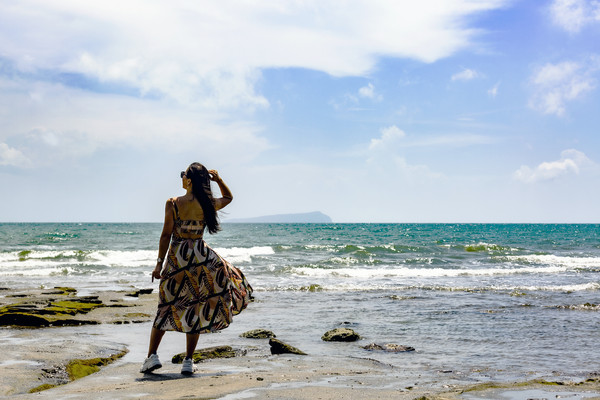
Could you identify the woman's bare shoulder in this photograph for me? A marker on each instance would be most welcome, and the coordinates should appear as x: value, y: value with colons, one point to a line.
x: 170, y: 202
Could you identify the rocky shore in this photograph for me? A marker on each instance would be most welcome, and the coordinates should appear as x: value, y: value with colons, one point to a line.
x: 61, y: 306
x: 60, y: 344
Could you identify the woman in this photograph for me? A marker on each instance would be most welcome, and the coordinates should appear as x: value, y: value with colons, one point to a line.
x: 199, y: 291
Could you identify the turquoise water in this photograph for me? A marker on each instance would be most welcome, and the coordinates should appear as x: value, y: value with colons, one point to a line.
x: 478, y: 302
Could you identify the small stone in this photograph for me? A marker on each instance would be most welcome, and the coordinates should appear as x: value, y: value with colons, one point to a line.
x: 340, y: 335
x: 390, y: 348
x: 258, y: 334
x: 260, y: 379
x: 373, y: 346
x: 395, y: 348
x: 279, y: 347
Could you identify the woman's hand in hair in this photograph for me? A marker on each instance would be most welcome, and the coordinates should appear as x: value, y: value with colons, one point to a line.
x: 214, y: 175
x: 225, y: 192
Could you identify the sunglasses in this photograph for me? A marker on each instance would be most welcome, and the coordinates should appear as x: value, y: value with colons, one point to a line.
x: 183, y: 174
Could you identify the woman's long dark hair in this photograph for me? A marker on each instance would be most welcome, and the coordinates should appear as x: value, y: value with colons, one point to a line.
x: 202, y: 192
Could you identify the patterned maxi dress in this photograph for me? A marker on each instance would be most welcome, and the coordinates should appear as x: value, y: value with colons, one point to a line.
x: 199, y: 292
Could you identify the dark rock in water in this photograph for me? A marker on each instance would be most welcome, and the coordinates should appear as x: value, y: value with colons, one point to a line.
x: 22, y: 319
x: 390, y: 347
x: 207, y: 353
x: 137, y: 293
x: 258, y: 334
x: 340, y: 335
x: 62, y: 290
x: 279, y: 347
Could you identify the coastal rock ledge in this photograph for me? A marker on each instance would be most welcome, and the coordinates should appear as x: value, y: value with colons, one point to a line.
x: 340, y: 335
x: 51, y: 312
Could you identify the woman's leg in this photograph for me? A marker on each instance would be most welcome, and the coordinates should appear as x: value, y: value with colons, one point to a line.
x: 155, y: 337
x: 191, y: 340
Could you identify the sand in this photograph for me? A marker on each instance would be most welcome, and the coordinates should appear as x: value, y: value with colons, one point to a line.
x: 31, y: 357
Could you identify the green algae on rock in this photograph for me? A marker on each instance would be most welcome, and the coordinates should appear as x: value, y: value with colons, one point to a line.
x: 340, y: 335
x: 79, y: 368
x: 43, y: 387
x: 208, y: 353
x: 52, y: 313
x: 258, y: 334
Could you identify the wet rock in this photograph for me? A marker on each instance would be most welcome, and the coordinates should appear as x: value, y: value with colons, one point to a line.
x: 279, y: 347
x: 116, y: 304
x: 133, y: 318
x: 258, y: 334
x: 137, y: 293
x: 208, y: 353
x: 75, y: 369
x: 61, y: 290
x: 390, y: 347
x: 52, y: 312
x: 80, y: 368
x: 340, y: 335
x: 22, y: 319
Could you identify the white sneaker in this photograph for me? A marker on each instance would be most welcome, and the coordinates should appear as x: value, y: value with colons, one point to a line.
x: 188, y: 367
x: 150, y: 364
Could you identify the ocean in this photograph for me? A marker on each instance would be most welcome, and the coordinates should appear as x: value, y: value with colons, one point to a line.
x: 478, y: 302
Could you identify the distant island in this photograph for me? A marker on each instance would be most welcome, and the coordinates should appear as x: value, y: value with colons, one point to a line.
x: 311, y: 217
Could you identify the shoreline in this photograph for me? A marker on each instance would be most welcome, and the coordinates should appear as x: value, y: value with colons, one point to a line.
x: 27, y: 354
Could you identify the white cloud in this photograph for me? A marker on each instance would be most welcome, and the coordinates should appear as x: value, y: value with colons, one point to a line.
x: 412, y: 171
x: 12, y: 157
x: 389, y: 136
x: 574, y: 15
x: 139, y: 73
x: 393, y: 137
x: 557, y: 84
x: 465, y: 75
x: 76, y: 123
x: 210, y: 52
x: 452, y: 140
x: 571, y: 162
x: 383, y: 157
x: 493, y: 91
x: 369, y: 92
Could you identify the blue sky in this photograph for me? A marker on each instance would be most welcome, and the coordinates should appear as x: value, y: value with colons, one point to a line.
x: 369, y: 111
